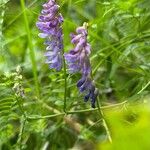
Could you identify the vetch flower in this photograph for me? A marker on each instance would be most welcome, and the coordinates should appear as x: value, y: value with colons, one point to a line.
x: 85, y: 84
x: 50, y: 23
x: 78, y: 61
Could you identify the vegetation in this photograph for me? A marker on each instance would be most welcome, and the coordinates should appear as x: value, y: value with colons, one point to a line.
x: 37, y: 110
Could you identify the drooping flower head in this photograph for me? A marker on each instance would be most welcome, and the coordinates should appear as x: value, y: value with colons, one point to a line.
x: 50, y: 23
x: 78, y: 61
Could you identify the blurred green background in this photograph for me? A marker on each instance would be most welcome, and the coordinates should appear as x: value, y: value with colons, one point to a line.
x: 119, y: 32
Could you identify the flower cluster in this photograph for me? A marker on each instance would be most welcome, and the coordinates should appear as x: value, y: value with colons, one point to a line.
x: 78, y: 61
x: 49, y: 23
x: 18, y: 88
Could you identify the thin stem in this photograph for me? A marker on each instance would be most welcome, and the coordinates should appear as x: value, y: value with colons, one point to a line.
x: 44, y: 117
x: 104, y: 121
x: 65, y: 83
x: 2, y: 12
x: 102, y: 107
x: 32, y: 54
x: 21, y: 107
x: 144, y: 88
x: 23, y: 121
x: 19, y: 141
x: 73, y: 112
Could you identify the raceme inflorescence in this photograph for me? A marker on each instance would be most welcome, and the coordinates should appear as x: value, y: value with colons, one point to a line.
x: 78, y: 61
x: 50, y: 23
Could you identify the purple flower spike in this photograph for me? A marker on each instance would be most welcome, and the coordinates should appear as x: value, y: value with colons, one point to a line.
x: 50, y: 23
x: 78, y: 61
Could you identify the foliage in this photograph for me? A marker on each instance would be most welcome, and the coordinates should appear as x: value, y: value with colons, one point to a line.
x: 130, y: 128
x: 32, y: 116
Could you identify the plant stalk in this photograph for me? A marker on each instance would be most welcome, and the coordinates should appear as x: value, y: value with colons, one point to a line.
x: 31, y: 49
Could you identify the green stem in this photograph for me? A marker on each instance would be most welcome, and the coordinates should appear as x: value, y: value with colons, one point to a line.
x: 144, y: 88
x: 23, y: 121
x: 104, y: 121
x: 90, y: 110
x: 65, y: 84
x: 44, y: 117
x: 74, y: 112
x: 2, y: 13
x: 19, y: 142
x: 21, y: 107
x: 31, y: 48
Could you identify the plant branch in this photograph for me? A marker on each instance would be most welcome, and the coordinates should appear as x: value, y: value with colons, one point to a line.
x: 32, y: 54
x: 58, y: 113
x: 65, y: 83
x: 19, y: 141
x: 103, y: 120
